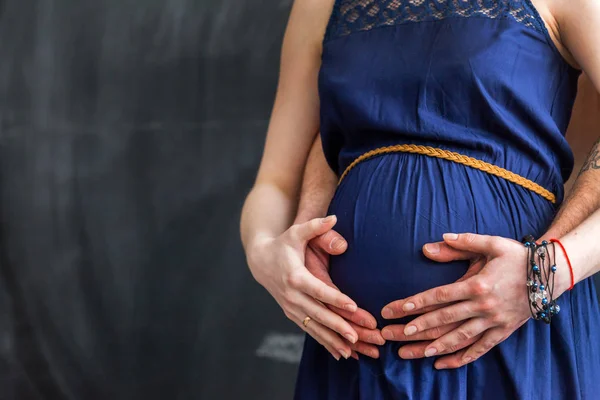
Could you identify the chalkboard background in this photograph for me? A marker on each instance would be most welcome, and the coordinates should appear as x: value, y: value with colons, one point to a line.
x: 130, y: 133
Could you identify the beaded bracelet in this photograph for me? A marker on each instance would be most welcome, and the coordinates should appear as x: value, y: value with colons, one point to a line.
x: 541, y: 270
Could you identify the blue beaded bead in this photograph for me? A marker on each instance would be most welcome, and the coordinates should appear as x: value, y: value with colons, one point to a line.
x: 544, y: 242
x: 544, y: 301
x: 527, y: 244
x: 542, y: 287
x: 543, y: 315
x: 553, y: 268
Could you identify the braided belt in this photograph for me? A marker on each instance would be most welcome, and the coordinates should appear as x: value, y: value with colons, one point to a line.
x: 457, y: 158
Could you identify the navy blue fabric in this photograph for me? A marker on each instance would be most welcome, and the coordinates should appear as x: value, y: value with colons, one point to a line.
x: 492, y: 88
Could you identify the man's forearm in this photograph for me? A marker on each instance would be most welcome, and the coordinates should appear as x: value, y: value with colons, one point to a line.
x: 583, y: 189
x: 584, y: 198
x: 318, y: 185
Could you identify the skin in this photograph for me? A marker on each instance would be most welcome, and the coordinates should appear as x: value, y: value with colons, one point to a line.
x: 275, y: 247
x: 287, y: 248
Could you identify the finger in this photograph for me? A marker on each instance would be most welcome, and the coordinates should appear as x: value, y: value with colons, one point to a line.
x: 372, y: 336
x: 442, y: 252
x: 397, y: 305
x: 482, y: 244
x: 458, y: 338
x: 328, y: 318
x: 440, y: 295
x: 307, y: 283
x: 359, y: 317
x: 364, y: 348
x: 488, y: 341
x: 311, y: 229
x: 417, y: 350
x: 330, y: 242
x: 491, y: 338
x: 317, y: 264
x: 447, y: 315
x: 396, y: 333
x: 334, y: 344
x: 354, y: 355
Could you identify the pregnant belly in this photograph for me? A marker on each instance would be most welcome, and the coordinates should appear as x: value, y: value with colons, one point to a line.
x: 390, y: 206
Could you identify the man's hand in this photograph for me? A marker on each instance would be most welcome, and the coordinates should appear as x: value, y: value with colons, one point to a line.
x: 317, y: 262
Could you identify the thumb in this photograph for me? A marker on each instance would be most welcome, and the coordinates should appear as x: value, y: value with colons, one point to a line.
x: 313, y: 228
x: 482, y: 244
x: 330, y: 242
x: 442, y: 252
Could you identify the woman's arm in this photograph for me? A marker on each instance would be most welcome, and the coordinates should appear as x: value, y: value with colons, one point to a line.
x: 271, y: 204
x: 275, y: 251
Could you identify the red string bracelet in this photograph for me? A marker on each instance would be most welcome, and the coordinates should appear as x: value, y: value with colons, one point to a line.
x: 568, y: 261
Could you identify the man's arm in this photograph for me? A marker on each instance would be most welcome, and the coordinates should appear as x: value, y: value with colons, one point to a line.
x: 583, y: 199
x: 318, y: 185
x: 575, y: 28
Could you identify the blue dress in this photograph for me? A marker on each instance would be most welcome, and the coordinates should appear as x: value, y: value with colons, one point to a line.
x: 481, y: 78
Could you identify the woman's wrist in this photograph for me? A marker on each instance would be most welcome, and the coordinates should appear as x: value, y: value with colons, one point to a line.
x: 562, y: 279
x: 562, y: 276
x: 256, y: 247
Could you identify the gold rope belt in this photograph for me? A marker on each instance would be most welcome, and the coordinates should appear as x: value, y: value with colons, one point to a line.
x: 457, y: 158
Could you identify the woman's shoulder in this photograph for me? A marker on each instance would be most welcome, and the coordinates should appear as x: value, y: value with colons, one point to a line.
x: 557, y: 16
x: 309, y: 19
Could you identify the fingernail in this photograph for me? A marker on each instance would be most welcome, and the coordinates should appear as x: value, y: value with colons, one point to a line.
x: 408, y: 306
x: 328, y: 219
x: 336, y: 357
x: 409, y: 330
x: 350, y: 338
x: 441, y: 366
x: 337, y: 244
x: 388, y: 313
x: 430, y: 352
x: 432, y: 248
x: 450, y: 236
x: 467, y: 359
x: 374, y: 354
x: 350, y: 307
x: 407, y: 354
x: 343, y: 353
x: 387, y: 334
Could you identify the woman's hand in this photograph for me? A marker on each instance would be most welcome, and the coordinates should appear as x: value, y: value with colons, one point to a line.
x: 492, y: 303
x: 441, y: 253
x: 317, y: 262
x: 278, y: 265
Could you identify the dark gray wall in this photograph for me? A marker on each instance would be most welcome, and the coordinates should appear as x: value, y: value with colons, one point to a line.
x: 130, y: 132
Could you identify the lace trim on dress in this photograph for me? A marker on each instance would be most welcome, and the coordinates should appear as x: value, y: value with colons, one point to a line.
x: 349, y: 16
